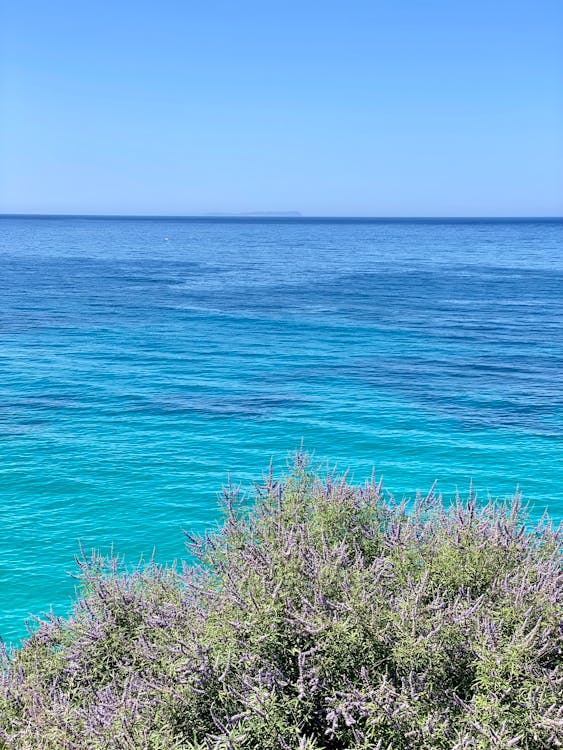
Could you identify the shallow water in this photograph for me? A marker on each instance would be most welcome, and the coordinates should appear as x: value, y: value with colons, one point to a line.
x: 143, y: 359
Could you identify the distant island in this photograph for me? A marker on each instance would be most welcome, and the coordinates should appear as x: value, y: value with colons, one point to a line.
x: 260, y: 213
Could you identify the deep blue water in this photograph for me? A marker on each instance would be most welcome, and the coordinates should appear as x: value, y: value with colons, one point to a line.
x: 143, y: 359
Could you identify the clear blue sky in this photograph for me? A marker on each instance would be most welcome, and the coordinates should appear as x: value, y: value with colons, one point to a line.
x: 376, y: 107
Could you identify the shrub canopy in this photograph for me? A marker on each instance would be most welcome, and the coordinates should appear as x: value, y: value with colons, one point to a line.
x: 329, y: 617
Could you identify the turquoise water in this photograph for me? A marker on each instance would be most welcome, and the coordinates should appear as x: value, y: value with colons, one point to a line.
x: 142, y: 359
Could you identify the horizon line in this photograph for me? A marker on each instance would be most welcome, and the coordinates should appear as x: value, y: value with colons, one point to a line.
x: 283, y: 216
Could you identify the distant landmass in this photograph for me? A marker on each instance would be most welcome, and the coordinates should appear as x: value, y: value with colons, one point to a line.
x: 259, y: 213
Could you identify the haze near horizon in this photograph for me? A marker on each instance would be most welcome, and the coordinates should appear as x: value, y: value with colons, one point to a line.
x: 386, y: 109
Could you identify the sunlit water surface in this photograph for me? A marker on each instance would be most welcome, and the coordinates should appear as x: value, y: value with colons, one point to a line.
x: 142, y: 360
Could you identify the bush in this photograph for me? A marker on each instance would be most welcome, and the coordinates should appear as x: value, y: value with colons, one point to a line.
x: 329, y: 617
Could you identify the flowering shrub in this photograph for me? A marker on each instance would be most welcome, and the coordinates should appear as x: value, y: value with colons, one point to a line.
x: 329, y: 617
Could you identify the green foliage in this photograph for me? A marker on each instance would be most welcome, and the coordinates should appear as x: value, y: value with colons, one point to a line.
x: 329, y: 618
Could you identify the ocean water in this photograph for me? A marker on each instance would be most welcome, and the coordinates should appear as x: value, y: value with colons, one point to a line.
x: 141, y: 360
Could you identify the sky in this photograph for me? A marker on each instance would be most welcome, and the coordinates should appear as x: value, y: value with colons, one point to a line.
x: 357, y: 108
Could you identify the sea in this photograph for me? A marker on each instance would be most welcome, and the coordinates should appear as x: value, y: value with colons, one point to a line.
x: 147, y: 362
